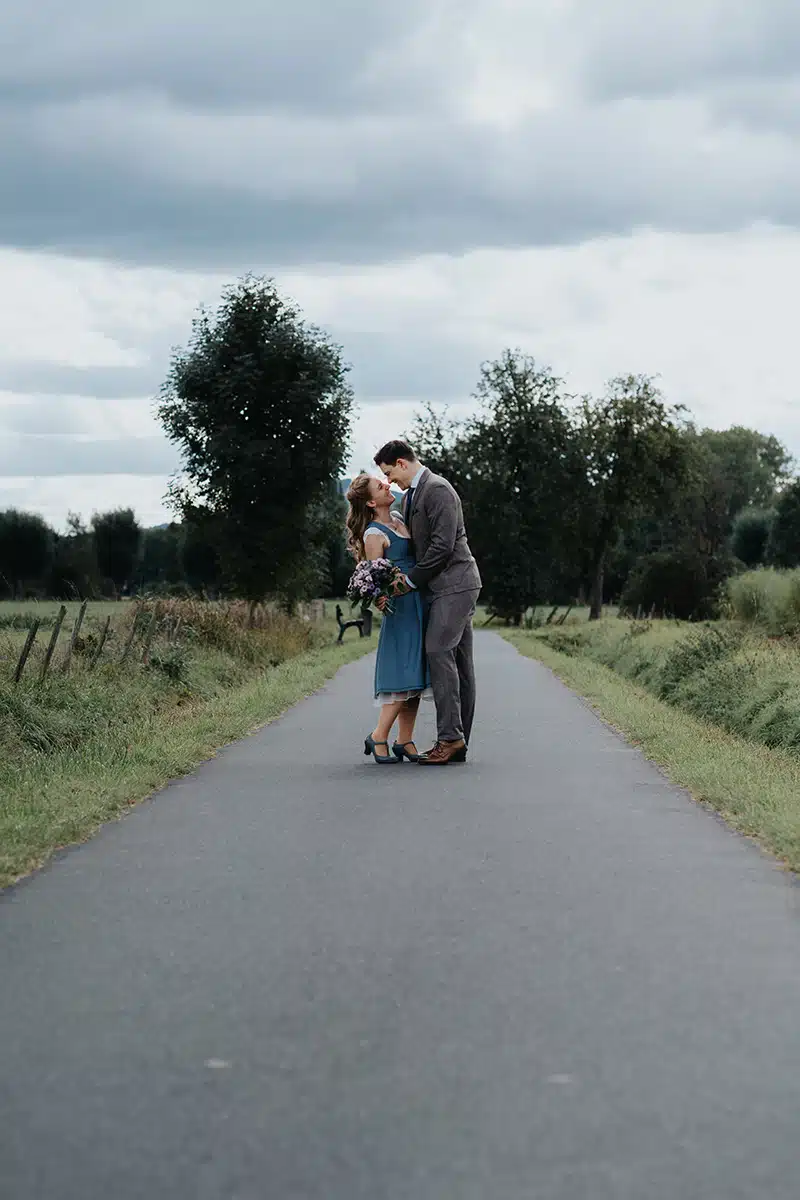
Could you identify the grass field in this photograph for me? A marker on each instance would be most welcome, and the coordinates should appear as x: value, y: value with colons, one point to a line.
x: 716, y: 706
x: 82, y: 747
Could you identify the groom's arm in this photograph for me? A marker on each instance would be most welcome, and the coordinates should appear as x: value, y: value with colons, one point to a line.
x: 442, y: 513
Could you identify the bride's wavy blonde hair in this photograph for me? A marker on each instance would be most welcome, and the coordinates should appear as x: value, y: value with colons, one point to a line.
x: 359, y: 515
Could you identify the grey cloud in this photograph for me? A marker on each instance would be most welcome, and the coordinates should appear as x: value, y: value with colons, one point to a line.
x: 40, y: 415
x: 250, y: 137
x: 53, y: 455
x: 579, y: 174
x: 306, y: 54
x: 760, y: 107
x: 387, y: 367
x: 102, y: 383
x: 688, y: 45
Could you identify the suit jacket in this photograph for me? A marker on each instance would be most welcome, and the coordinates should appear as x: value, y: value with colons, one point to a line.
x: 445, y: 563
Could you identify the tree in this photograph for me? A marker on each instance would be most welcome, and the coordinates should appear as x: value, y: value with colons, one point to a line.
x: 728, y: 472
x: 74, y: 573
x: 681, y: 583
x: 783, y: 548
x: 635, y: 456
x: 26, y: 550
x: 259, y: 405
x: 518, y: 468
x: 337, y: 565
x: 160, y: 557
x: 117, y: 539
x: 750, y: 536
x: 199, y: 558
x: 751, y: 466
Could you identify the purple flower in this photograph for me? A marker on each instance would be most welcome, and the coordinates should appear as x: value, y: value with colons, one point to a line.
x: 371, y: 579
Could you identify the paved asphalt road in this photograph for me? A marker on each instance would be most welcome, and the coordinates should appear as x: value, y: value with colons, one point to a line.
x: 297, y: 975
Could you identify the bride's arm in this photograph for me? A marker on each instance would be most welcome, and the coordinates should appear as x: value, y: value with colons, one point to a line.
x: 375, y: 545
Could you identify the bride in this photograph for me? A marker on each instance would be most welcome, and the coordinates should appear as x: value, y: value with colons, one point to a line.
x: 401, y: 669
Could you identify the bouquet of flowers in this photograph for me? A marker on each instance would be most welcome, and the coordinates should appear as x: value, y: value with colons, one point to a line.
x: 373, y: 578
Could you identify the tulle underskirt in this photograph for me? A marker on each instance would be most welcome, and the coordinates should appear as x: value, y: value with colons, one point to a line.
x: 400, y: 697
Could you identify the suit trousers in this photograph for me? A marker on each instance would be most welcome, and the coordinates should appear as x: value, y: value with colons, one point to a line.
x: 448, y: 645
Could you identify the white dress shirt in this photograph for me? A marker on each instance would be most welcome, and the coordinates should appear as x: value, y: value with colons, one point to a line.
x: 414, y: 483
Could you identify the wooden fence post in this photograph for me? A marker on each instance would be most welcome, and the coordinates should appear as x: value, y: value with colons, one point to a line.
x: 62, y: 612
x: 74, y: 638
x: 26, y: 649
x: 131, y: 636
x: 148, y: 641
x: 101, y: 643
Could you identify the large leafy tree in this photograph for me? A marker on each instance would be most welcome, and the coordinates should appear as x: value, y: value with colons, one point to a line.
x: 117, y: 540
x: 635, y: 455
x: 199, y: 555
x: 26, y: 550
x: 160, y: 557
x: 337, y: 565
x: 259, y: 405
x: 750, y: 468
x: 518, y: 468
x: 730, y: 474
x: 74, y: 573
x: 783, y: 548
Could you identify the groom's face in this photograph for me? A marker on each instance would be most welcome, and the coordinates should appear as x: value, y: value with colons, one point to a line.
x: 400, y: 472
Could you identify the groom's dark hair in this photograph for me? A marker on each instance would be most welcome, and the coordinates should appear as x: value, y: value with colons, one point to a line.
x: 390, y: 453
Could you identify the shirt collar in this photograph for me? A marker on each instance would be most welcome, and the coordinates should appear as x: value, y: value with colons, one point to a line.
x: 417, y: 477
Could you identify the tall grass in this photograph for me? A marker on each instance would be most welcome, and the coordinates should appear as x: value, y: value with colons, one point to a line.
x: 79, y: 747
x: 216, y: 645
x: 724, y: 673
x: 768, y: 599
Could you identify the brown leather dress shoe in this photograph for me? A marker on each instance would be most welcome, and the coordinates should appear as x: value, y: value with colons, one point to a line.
x: 444, y: 753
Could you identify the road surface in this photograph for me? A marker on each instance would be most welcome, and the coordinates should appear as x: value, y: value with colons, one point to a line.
x: 296, y: 975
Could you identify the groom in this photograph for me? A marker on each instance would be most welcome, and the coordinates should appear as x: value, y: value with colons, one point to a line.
x: 447, y: 575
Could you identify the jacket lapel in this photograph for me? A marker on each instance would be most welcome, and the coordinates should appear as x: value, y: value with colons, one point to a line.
x: 415, y: 497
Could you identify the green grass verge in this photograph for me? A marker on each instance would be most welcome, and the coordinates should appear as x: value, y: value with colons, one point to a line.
x: 57, y: 798
x: 754, y: 788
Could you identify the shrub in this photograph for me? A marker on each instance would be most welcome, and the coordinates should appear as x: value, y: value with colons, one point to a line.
x: 768, y: 599
x: 694, y: 654
x: 677, y: 583
x: 750, y: 536
x: 172, y: 662
x: 261, y: 637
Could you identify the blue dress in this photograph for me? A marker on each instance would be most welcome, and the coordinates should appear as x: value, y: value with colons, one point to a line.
x: 401, y: 668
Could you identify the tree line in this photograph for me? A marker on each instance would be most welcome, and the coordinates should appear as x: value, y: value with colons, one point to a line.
x: 568, y: 499
x: 115, y: 556
x: 619, y: 497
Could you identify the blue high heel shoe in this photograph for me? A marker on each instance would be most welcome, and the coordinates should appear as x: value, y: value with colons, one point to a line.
x: 369, y: 748
x: 400, y: 752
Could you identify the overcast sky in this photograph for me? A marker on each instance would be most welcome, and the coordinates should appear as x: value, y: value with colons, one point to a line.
x: 611, y: 185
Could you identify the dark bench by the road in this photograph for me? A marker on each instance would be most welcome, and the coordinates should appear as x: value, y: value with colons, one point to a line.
x: 363, y: 623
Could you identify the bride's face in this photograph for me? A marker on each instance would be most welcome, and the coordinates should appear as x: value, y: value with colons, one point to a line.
x: 380, y: 493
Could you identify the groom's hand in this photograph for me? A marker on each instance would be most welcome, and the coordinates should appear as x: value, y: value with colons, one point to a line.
x: 401, y: 586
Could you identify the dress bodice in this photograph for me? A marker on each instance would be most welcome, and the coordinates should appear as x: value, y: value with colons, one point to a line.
x: 398, y: 550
